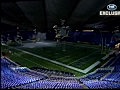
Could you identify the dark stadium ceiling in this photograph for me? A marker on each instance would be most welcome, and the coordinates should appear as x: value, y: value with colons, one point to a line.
x: 46, y: 13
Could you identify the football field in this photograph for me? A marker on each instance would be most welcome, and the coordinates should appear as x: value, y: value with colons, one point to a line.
x: 65, y: 55
x: 72, y: 54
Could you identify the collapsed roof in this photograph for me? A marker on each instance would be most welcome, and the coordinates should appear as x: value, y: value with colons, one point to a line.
x: 43, y: 14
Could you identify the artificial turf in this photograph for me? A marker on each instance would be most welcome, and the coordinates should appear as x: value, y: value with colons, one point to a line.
x: 76, y: 55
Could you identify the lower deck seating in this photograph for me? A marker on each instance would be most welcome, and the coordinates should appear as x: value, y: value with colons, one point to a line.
x: 29, y: 79
x: 102, y: 85
x: 11, y: 78
x: 50, y: 84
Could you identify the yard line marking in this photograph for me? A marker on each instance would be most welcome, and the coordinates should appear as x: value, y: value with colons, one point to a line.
x: 83, y: 57
x: 63, y: 57
x: 84, y: 45
x: 27, y: 59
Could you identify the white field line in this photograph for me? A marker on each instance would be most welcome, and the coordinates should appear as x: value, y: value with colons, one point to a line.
x: 91, y: 67
x: 87, y: 46
x: 29, y: 60
x: 12, y: 61
x: 82, y: 57
x: 62, y: 57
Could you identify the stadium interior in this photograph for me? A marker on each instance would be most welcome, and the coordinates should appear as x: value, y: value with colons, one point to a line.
x: 60, y: 44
